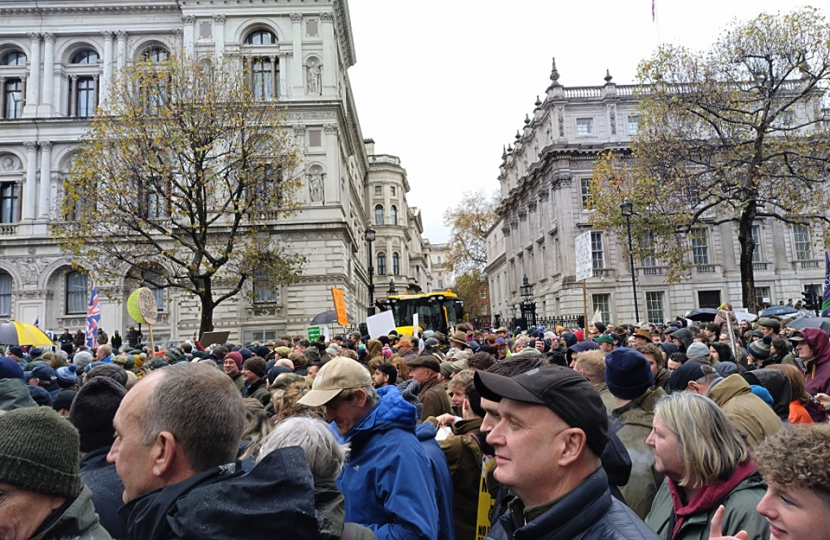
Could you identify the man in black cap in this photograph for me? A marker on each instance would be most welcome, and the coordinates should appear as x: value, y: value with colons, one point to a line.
x: 425, y: 369
x: 551, y: 430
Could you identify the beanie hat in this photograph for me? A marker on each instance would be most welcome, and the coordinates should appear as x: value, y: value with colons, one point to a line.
x: 698, y: 351
x: 600, y: 326
x: 16, y: 350
x: 579, y: 335
x: 760, y: 348
x: 236, y: 357
x: 66, y: 376
x: 44, y: 373
x: 10, y: 369
x: 255, y: 365
x: 627, y: 373
x: 173, y: 355
x: 82, y: 359
x: 246, y: 353
x: 762, y: 393
x: 93, y: 410
x: 39, y: 452
x: 64, y: 400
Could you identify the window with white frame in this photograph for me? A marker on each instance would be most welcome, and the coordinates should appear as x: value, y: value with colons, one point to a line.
x: 9, y: 202
x: 393, y: 214
x: 602, y: 302
x: 378, y: 191
x: 396, y: 264
x: 803, y: 244
x: 153, y: 281
x: 584, y: 126
x: 392, y: 190
x: 381, y: 264
x: 76, y: 293
x: 83, y: 79
x: 597, y: 255
x: 585, y: 190
x: 756, y: 237
x: 700, y: 247
x: 262, y: 66
x: 654, y: 306
x: 482, y: 293
x: 647, y: 251
x: 13, y: 68
x: 5, y: 295
x: 263, y: 294
x: 633, y: 125
x: 761, y: 293
x: 379, y: 214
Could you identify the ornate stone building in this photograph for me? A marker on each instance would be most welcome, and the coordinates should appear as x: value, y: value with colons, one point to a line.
x: 545, y: 176
x: 57, y: 60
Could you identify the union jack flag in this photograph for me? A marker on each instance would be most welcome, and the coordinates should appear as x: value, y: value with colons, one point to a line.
x: 93, y: 318
x: 37, y: 321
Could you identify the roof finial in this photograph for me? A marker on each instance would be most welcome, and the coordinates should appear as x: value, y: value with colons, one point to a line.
x: 608, y: 76
x: 503, y: 152
x: 518, y: 135
x: 554, y: 74
x: 527, y: 119
x: 538, y: 102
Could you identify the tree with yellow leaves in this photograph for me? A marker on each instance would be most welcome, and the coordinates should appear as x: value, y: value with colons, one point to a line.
x: 179, y: 181
x: 469, y: 223
x: 732, y: 135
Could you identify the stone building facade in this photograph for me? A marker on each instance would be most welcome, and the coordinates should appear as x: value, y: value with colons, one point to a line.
x: 545, y: 176
x: 57, y: 61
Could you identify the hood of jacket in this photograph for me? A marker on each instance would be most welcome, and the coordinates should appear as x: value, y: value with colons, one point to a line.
x: 391, y: 411
x: 725, y: 389
x: 14, y: 394
x: 79, y: 520
x: 374, y: 348
x: 278, y: 495
x: 779, y: 388
x: 818, y: 340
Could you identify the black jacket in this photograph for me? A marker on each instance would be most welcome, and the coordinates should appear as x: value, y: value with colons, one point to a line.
x: 586, y: 513
x: 107, y: 489
x: 275, y: 500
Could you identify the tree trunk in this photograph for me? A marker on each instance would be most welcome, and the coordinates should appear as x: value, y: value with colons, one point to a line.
x: 747, y: 244
x: 206, y: 320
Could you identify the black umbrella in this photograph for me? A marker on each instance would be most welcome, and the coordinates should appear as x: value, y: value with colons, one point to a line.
x: 327, y: 317
x: 810, y: 322
x: 702, y: 314
x: 778, y: 310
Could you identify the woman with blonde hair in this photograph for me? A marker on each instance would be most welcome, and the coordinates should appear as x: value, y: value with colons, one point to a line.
x: 707, y: 464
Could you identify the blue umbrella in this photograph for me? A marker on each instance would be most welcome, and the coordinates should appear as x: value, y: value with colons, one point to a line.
x: 778, y: 310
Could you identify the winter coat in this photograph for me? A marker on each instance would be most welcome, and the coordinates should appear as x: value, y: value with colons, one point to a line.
x: 744, y: 409
x: 434, y: 399
x: 116, y: 341
x: 444, y: 491
x: 463, y: 454
x: 331, y: 513
x: 107, y: 489
x: 817, y: 370
x: 222, y: 503
x: 740, y: 514
x: 259, y: 392
x: 607, y: 398
x: 78, y: 522
x: 632, y: 424
x: 79, y: 339
x: 102, y: 337
x: 798, y: 414
x: 662, y: 380
x: 588, y: 512
x: 14, y: 394
x: 387, y: 480
x: 725, y: 315
x: 239, y: 382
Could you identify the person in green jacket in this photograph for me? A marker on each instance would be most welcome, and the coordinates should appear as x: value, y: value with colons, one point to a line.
x: 707, y: 464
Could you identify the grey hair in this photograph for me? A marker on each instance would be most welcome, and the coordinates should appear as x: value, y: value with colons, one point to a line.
x: 201, y: 407
x: 324, y: 454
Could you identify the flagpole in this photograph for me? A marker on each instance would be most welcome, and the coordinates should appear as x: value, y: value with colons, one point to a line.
x: 825, y: 297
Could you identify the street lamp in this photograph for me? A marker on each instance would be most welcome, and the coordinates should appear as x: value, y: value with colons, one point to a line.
x: 528, y: 306
x: 627, y: 209
x: 392, y: 290
x: 370, y: 236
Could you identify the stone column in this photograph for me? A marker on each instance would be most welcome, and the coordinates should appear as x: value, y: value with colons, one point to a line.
x: 106, y: 80
x: 122, y: 48
x: 45, y: 180
x: 297, y: 66
x: 285, y: 60
x: 73, y: 95
x: 189, y: 23
x: 329, y: 62
x: 332, y: 180
x: 219, y: 34
x: 48, y: 68
x: 30, y: 188
x: 33, y: 86
x: 2, y: 97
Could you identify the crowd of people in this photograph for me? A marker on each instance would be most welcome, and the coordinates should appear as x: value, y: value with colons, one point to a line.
x: 681, y: 431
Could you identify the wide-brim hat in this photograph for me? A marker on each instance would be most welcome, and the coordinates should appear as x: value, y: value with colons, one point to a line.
x: 460, y: 338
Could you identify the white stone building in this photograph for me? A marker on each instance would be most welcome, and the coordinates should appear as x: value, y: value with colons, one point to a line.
x: 57, y: 60
x: 545, y: 178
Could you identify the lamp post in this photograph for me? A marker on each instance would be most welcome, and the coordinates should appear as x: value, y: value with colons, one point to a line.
x: 528, y: 306
x: 627, y: 209
x: 392, y: 290
x: 370, y: 236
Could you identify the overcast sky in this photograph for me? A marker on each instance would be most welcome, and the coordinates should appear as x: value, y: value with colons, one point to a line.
x: 445, y: 84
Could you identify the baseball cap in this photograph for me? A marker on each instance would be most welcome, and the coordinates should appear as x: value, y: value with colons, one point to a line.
x: 564, y: 391
x: 336, y: 375
x: 604, y: 338
x: 689, y: 371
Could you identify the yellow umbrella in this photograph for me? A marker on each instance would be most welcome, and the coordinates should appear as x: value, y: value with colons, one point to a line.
x: 18, y: 333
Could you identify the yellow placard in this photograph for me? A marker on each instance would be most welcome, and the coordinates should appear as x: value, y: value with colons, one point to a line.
x: 485, y: 503
x: 132, y: 307
x: 339, y: 297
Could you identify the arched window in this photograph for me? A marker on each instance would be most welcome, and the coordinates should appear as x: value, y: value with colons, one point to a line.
x: 155, y: 54
x: 261, y: 37
x: 5, y: 295
x: 381, y: 264
x: 396, y: 264
x: 86, y: 56
x: 76, y: 293
x: 12, y: 97
x: 262, y: 70
x: 394, y: 215
x: 440, y: 283
x: 379, y: 214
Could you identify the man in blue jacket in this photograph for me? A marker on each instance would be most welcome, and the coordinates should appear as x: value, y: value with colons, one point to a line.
x: 387, y: 481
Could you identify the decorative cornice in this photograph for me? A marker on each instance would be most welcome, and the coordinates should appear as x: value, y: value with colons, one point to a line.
x: 296, y: 18
x: 327, y: 16
x: 189, y: 19
x: 49, y: 37
x: 88, y: 8
x: 219, y: 19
